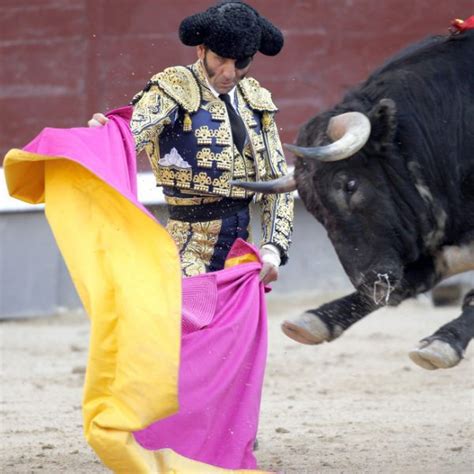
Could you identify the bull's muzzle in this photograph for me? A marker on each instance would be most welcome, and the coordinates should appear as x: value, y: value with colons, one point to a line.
x: 381, y: 286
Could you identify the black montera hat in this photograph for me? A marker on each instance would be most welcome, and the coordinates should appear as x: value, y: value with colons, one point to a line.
x: 232, y: 29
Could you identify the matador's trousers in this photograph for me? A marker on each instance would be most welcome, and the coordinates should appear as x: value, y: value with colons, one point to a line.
x: 205, y: 228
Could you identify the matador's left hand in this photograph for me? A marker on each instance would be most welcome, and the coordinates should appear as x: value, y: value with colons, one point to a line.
x: 97, y: 120
x: 268, y: 273
x: 271, y: 261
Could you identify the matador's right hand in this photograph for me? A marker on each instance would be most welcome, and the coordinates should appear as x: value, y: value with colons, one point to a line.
x: 97, y: 120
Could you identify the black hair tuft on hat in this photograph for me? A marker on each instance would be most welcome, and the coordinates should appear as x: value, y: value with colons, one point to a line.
x: 272, y: 38
x: 193, y: 29
x: 232, y: 29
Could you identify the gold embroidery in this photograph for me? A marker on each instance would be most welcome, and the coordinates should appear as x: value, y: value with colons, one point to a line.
x: 224, y: 159
x: 275, y: 159
x: 238, y: 192
x: 171, y: 177
x: 283, y: 226
x: 217, y: 110
x: 223, y: 134
x: 179, y: 83
x: 205, y: 157
x: 257, y: 141
x: 248, y: 117
x: 262, y: 170
x: 202, y: 182
x: 204, y: 135
x: 277, y: 209
x: 248, y: 150
x: 183, y: 178
x: 196, y: 244
x: 221, y: 184
x: 207, y: 95
x: 179, y: 231
x: 249, y: 165
x: 150, y: 115
x: 239, y: 166
x: 277, y: 220
x: 191, y: 201
x: 165, y: 176
x: 198, y: 69
x: 256, y: 96
x: 153, y: 154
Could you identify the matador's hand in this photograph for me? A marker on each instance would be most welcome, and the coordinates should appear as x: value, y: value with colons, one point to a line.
x: 271, y: 261
x: 268, y: 273
x: 97, y: 120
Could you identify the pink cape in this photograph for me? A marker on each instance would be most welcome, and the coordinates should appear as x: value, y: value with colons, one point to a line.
x: 224, y: 332
x: 222, y: 366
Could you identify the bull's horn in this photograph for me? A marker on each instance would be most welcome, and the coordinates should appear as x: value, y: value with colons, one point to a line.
x: 285, y: 184
x: 349, y: 132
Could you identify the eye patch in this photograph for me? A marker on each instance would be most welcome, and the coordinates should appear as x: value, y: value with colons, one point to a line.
x: 243, y: 63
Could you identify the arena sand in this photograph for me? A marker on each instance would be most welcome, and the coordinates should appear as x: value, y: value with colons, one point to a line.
x: 356, y: 405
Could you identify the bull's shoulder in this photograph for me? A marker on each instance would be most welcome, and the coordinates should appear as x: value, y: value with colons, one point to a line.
x: 256, y: 96
x: 179, y: 83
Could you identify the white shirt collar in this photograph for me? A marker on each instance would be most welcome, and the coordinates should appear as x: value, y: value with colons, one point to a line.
x: 231, y: 93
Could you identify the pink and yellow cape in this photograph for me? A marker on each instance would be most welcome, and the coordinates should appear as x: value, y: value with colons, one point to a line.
x: 175, y: 367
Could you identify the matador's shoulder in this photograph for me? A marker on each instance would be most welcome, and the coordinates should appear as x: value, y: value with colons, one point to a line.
x: 179, y: 84
x: 257, y: 97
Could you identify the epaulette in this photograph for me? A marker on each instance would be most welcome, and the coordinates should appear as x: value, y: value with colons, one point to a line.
x: 257, y: 97
x: 180, y: 84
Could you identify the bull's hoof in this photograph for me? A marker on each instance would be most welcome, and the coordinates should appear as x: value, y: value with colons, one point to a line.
x: 308, y: 329
x: 434, y: 354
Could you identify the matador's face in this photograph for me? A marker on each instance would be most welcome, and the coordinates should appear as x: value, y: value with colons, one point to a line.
x: 223, y: 73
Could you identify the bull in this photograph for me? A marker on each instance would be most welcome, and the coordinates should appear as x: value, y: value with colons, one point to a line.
x: 389, y: 173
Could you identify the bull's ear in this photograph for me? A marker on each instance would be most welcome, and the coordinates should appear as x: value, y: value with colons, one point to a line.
x: 383, y: 122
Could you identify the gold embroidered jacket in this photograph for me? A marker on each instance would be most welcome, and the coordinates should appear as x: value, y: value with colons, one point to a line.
x: 186, y: 133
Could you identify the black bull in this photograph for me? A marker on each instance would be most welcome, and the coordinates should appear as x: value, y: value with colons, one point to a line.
x: 392, y: 181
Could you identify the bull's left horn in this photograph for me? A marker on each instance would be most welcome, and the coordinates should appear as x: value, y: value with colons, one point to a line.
x: 349, y: 132
x: 285, y: 184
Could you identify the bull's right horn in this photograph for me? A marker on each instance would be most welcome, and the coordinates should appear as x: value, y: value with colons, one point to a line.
x: 349, y: 132
x: 285, y: 184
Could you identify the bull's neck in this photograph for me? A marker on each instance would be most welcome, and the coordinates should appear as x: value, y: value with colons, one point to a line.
x: 435, y: 229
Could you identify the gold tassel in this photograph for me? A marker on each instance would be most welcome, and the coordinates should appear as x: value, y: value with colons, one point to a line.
x: 187, y: 123
x: 266, y: 121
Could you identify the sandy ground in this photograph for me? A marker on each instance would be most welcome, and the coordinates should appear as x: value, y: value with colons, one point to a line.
x: 356, y: 405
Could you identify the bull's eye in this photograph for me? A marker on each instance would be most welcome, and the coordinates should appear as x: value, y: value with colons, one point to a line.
x: 351, y: 186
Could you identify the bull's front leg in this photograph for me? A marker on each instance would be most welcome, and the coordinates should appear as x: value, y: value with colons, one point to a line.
x: 446, y: 347
x: 330, y: 320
